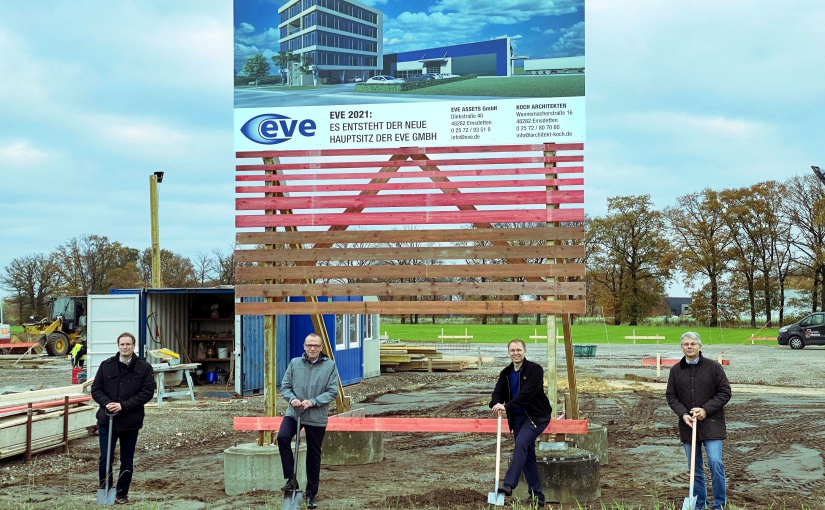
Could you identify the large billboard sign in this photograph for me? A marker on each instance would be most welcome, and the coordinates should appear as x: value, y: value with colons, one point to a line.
x: 327, y: 74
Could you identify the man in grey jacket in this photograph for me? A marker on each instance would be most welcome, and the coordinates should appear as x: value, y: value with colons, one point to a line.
x: 310, y: 384
x: 697, y: 391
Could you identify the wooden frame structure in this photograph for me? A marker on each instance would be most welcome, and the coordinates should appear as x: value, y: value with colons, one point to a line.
x: 437, y: 223
x: 470, y: 230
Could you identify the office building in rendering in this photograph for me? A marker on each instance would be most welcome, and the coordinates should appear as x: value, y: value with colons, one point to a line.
x: 343, y: 38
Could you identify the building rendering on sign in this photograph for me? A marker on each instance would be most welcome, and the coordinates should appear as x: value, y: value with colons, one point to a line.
x: 344, y: 38
x: 485, y: 58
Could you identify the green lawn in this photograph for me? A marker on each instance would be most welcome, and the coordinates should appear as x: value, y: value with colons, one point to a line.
x: 533, y: 86
x: 586, y: 334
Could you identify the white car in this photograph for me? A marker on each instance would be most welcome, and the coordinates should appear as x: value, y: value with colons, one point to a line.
x: 381, y: 78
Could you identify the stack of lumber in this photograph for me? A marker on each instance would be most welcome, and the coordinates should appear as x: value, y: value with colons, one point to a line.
x: 47, y: 427
x: 402, y: 357
x: 27, y: 360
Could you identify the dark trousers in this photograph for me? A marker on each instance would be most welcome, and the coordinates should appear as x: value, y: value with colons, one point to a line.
x: 314, y: 437
x: 524, y: 455
x: 128, y: 440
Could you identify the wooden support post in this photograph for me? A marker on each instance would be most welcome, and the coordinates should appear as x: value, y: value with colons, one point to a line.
x: 480, y: 359
x: 429, y: 365
x: 66, y: 424
x: 571, y: 367
x: 29, y: 433
x: 658, y: 364
x: 270, y: 339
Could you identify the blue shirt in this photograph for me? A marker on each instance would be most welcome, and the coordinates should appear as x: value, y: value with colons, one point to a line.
x: 515, y: 388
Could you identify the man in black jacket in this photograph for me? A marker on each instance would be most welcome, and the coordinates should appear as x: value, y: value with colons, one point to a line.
x: 122, y: 385
x: 697, y: 390
x: 519, y: 393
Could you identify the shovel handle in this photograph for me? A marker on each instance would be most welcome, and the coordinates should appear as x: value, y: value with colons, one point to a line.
x: 693, y: 456
x: 498, y: 450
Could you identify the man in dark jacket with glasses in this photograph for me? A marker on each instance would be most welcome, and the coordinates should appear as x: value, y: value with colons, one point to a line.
x: 519, y: 393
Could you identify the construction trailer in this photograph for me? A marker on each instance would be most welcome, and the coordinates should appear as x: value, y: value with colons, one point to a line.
x: 200, y: 324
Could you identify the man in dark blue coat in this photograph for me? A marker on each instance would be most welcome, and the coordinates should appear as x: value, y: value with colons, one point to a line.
x: 519, y: 393
x: 123, y: 385
x: 697, y: 391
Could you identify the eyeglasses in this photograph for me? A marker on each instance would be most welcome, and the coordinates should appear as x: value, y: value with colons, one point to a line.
x: 312, y: 346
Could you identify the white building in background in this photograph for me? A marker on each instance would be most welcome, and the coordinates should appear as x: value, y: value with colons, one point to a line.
x: 343, y: 37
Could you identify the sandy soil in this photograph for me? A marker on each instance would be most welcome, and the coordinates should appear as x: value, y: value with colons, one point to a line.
x: 774, y: 453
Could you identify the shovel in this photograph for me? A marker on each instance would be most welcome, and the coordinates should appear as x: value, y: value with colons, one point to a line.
x: 496, y: 498
x: 690, y: 501
x: 293, y: 501
x: 106, y: 495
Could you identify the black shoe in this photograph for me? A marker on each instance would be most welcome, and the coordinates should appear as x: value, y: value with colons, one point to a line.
x: 122, y: 501
x: 291, y: 485
x: 506, y: 490
x: 311, y: 502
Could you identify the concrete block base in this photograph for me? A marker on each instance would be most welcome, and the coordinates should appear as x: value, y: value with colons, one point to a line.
x: 352, y: 448
x: 569, y: 475
x: 595, y: 441
x: 249, y: 467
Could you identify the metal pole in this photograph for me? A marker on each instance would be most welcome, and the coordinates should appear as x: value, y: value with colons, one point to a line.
x: 153, y: 206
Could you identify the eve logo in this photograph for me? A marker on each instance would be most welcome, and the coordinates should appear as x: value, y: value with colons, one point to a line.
x: 271, y: 128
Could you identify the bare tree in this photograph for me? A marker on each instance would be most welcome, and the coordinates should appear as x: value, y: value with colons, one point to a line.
x: 204, y: 268
x: 33, y: 278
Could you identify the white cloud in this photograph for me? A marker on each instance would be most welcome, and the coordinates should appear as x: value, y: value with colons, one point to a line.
x: 23, y: 154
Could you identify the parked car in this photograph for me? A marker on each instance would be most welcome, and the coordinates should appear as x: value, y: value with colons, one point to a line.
x: 447, y: 75
x: 420, y: 77
x: 331, y: 80
x: 808, y: 331
x: 357, y: 79
x: 382, y: 78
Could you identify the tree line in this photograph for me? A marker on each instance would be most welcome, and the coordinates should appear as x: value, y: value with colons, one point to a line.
x: 741, y: 248
x: 93, y: 264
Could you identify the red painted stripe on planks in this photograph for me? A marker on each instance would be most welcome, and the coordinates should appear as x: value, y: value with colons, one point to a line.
x: 426, y: 162
x: 42, y: 405
x: 409, y: 218
x: 456, y: 149
x: 437, y: 425
x: 436, y: 199
x: 406, y: 186
x: 406, y: 173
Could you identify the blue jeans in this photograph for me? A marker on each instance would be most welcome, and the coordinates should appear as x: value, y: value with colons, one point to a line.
x: 525, y: 434
x: 713, y: 449
x: 128, y: 440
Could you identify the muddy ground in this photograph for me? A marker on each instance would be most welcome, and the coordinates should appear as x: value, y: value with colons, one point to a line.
x: 773, y: 455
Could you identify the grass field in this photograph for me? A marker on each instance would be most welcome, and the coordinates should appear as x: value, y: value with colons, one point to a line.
x: 533, y: 86
x: 583, y: 334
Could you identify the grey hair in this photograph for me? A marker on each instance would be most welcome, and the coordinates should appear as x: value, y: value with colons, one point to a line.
x: 692, y: 335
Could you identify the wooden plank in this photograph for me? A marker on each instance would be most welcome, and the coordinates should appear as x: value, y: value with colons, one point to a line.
x: 411, y: 253
x: 455, y: 235
x: 411, y: 307
x: 455, y: 149
x: 387, y: 186
x: 402, y: 173
x: 313, y: 273
x: 436, y: 425
x: 405, y: 163
x: 413, y: 289
x: 312, y: 203
x: 409, y: 218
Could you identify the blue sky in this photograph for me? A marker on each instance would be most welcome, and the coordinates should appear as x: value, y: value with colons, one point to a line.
x: 537, y: 28
x: 97, y: 95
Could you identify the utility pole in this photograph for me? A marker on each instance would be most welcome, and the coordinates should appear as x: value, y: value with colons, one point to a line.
x: 154, y: 180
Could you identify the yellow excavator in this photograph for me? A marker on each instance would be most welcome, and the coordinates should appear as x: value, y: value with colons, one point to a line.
x: 64, y: 328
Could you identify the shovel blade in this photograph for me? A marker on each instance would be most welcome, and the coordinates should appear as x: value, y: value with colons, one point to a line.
x: 293, y: 500
x: 495, y: 498
x: 689, y: 503
x: 106, y: 496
